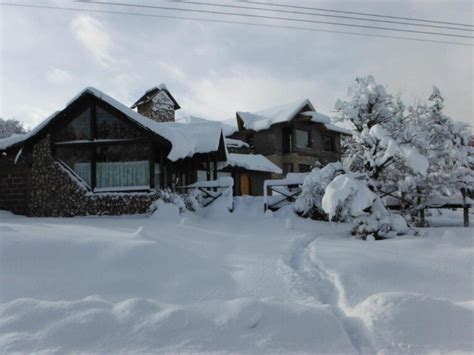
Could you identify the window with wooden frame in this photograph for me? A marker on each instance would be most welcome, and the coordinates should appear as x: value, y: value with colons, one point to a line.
x: 105, y: 151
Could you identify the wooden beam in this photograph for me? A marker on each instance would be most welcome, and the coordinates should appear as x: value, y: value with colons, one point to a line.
x: 92, y: 148
x: 208, y: 167
x: 214, y: 162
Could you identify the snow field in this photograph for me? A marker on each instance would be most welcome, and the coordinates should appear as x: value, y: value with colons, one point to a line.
x: 237, y: 282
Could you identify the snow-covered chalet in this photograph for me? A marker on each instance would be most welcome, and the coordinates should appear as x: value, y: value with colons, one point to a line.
x: 99, y: 156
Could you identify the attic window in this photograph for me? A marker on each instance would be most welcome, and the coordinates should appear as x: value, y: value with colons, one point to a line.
x: 302, y: 139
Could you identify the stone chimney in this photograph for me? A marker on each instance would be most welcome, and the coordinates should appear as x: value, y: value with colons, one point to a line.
x: 157, y: 104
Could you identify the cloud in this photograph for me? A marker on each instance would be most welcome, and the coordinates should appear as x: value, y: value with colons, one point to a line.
x: 220, y: 95
x: 94, y: 37
x: 58, y: 76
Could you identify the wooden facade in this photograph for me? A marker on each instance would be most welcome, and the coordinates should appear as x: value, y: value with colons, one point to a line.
x: 282, y: 144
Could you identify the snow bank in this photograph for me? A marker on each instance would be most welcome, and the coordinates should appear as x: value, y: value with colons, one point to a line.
x: 94, y: 324
x: 216, y: 284
x: 413, y: 323
x: 166, y: 211
x: 440, y: 264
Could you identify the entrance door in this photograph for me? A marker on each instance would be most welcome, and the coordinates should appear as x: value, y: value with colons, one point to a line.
x: 244, y: 184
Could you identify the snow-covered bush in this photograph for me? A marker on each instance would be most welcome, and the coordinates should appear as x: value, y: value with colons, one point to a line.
x: 348, y: 198
x: 314, y: 185
x: 10, y: 127
x: 185, y: 202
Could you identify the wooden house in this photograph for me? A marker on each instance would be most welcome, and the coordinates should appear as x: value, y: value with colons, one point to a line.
x: 97, y: 156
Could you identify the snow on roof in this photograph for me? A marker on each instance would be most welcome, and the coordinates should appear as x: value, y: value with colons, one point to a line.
x: 229, y: 126
x: 263, y: 119
x: 333, y: 127
x: 326, y: 121
x: 255, y: 162
x: 235, y: 143
x: 185, y: 141
x: 317, y: 116
x: 202, y: 137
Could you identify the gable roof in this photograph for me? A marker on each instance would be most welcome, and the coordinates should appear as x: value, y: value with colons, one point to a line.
x: 263, y: 119
x: 152, y: 92
x: 185, y: 142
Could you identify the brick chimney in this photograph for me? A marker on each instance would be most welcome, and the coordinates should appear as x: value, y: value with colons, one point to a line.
x: 157, y: 104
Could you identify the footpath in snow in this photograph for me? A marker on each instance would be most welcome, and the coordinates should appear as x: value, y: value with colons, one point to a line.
x: 241, y: 282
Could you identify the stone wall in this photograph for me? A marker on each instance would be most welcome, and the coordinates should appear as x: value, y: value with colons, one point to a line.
x: 14, y: 185
x: 56, y: 192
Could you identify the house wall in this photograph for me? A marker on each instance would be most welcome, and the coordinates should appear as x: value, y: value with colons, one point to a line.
x: 269, y: 142
x: 257, y: 179
x: 14, y: 185
x: 54, y: 192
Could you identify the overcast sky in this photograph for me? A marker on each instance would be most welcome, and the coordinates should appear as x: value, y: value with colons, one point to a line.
x: 213, y: 70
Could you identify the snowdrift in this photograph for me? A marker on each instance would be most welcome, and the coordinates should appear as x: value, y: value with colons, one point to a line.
x: 403, y: 322
x: 96, y: 325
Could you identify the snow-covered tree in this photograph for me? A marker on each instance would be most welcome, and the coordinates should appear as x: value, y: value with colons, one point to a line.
x: 376, y: 160
x: 379, y: 148
x: 10, y: 127
x: 407, y: 154
x: 445, y: 144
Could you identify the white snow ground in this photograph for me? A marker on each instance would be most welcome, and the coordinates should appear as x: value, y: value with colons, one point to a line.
x: 240, y: 282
